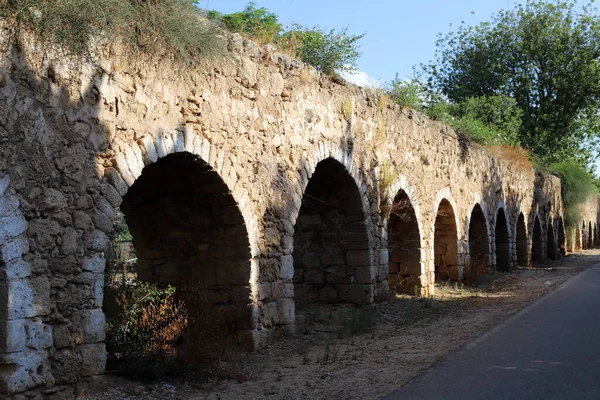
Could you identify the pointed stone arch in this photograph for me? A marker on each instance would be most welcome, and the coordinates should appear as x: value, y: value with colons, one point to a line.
x: 404, y: 244
x: 188, y: 232
x: 333, y: 261
x: 209, y: 197
x: 502, y: 241
x: 521, y: 241
x: 479, y: 244
x: 537, y: 244
x: 446, y: 254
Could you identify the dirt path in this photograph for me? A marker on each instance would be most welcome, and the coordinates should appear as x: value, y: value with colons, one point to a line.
x: 368, y: 359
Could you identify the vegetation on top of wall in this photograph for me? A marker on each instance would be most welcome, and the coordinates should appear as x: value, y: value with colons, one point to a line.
x: 328, y: 51
x: 544, y: 55
x: 576, y: 187
x: 487, y: 120
x: 173, y: 26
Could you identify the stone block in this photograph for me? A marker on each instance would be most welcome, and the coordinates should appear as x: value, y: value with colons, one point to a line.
x: 286, y: 267
x: 94, y: 263
x: 28, y: 370
x: 11, y: 227
x: 269, y: 313
x: 336, y: 275
x: 96, y: 240
x: 93, y: 359
x: 14, y: 249
x: 13, y: 338
x: 16, y: 269
x: 314, y: 277
x: 384, y: 256
x: 286, y: 311
x: 410, y: 268
x: 329, y: 294
x: 88, y: 326
x: 66, y: 366
x: 358, y: 258
x: 20, y: 299
x: 61, y: 336
x: 38, y: 334
x: 311, y: 261
x: 364, y: 275
x: 356, y: 294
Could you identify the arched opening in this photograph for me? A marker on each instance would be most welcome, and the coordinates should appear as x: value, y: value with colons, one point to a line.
x: 189, y: 235
x: 404, y: 244
x: 445, y: 243
x: 503, y: 262
x: 551, y: 248
x: 590, y: 236
x: 596, y: 240
x: 578, y: 236
x: 332, y: 257
x: 522, y: 241
x: 562, y: 242
x: 537, y: 246
x: 479, y: 246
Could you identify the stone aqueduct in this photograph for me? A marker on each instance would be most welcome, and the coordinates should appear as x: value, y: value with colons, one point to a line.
x: 254, y: 184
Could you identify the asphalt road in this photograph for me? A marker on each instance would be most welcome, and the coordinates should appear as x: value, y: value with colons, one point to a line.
x: 550, y: 350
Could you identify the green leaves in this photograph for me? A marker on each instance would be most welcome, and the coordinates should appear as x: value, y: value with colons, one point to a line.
x: 328, y: 51
x: 258, y: 23
x: 576, y: 186
x: 545, y: 56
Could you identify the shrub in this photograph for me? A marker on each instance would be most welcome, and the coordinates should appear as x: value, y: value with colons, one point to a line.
x: 500, y: 116
x: 576, y: 187
x: 257, y: 23
x: 174, y: 26
x: 407, y: 93
x: 144, y: 321
x: 327, y: 51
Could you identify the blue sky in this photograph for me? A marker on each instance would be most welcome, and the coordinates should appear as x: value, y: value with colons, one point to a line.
x: 399, y: 33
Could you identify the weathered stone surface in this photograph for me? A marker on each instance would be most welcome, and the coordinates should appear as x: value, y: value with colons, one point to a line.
x: 249, y: 183
x: 88, y: 326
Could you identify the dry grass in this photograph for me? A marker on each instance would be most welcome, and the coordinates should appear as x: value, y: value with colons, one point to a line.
x: 347, y: 110
x: 515, y: 156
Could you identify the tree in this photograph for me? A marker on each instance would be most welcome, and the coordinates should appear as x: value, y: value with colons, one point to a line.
x: 544, y: 55
x: 327, y: 51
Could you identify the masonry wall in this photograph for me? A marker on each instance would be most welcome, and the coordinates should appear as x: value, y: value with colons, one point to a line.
x: 78, y: 137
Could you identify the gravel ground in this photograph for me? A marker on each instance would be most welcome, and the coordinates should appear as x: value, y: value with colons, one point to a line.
x: 409, y: 335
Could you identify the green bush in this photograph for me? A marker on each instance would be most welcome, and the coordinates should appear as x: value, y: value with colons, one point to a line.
x: 500, y: 115
x: 143, y: 323
x: 257, y: 23
x: 174, y: 26
x: 327, y: 51
x: 407, y: 93
x: 577, y: 185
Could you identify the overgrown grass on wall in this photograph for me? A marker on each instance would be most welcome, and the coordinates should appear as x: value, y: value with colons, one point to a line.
x: 171, y: 26
x: 577, y: 186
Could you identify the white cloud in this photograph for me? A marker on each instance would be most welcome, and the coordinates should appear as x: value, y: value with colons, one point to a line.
x: 361, y: 78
